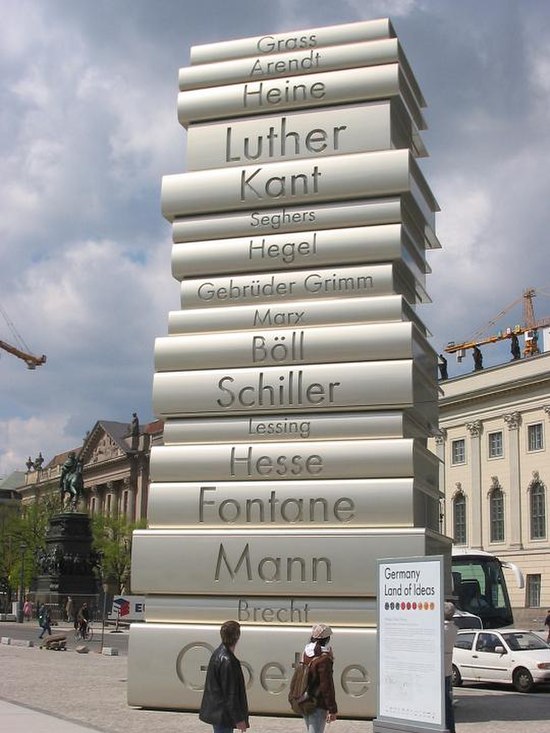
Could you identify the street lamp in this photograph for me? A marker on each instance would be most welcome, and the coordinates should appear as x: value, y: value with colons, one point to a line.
x: 105, y: 587
x: 22, y: 548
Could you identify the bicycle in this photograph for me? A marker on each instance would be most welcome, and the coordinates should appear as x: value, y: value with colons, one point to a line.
x: 85, y: 635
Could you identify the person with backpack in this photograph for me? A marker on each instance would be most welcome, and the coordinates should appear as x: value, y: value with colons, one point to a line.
x: 319, y: 658
x: 224, y: 704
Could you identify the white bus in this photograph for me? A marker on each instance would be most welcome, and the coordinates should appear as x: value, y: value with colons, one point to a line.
x: 479, y: 586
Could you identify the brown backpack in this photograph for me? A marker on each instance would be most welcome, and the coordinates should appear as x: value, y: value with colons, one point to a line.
x: 301, y: 695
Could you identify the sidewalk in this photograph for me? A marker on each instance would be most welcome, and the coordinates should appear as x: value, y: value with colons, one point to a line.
x: 19, y: 718
x: 66, y: 692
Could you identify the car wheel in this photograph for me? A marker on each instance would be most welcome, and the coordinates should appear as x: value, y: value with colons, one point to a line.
x: 456, y: 679
x: 523, y: 681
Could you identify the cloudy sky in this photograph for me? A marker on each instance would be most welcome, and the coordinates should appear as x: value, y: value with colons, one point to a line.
x: 88, y: 126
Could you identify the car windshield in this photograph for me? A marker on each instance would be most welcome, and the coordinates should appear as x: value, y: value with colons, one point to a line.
x: 522, y: 641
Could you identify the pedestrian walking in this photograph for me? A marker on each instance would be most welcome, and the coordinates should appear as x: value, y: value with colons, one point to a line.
x: 224, y: 705
x: 83, y: 619
x: 45, y: 621
x: 449, y: 637
x: 69, y: 609
x: 27, y: 610
x: 547, y: 623
x: 318, y: 655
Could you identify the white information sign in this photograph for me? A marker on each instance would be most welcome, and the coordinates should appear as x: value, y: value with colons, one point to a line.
x: 410, y: 626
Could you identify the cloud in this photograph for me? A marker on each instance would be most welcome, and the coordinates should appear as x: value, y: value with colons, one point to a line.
x: 88, y: 126
x: 95, y: 311
x: 22, y: 438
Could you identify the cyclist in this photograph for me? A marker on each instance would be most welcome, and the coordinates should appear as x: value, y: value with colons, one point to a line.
x: 83, y: 618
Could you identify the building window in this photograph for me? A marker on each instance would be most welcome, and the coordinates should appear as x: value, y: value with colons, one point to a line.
x: 458, y: 451
x: 109, y: 504
x: 533, y: 591
x: 459, y: 519
x: 93, y: 506
x: 537, y: 502
x: 495, y: 445
x: 125, y: 503
x: 496, y: 513
x: 535, y: 438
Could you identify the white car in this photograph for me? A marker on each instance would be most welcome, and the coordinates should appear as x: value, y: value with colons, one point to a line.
x: 513, y: 656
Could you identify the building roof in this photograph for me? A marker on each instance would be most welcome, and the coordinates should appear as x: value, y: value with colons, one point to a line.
x: 13, y: 481
x: 154, y: 427
x: 490, y: 383
x: 118, y: 431
x: 60, y: 458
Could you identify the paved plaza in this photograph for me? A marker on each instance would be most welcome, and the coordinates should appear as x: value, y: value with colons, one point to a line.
x: 65, y: 692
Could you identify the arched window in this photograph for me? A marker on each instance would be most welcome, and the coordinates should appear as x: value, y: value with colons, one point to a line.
x: 459, y: 519
x: 537, y: 510
x: 496, y: 514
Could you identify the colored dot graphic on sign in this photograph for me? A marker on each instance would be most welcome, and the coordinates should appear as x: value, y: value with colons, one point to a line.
x: 409, y: 606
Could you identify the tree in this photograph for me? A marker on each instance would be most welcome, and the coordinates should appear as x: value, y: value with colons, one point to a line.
x: 10, y: 539
x: 23, y: 525
x: 112, y: 541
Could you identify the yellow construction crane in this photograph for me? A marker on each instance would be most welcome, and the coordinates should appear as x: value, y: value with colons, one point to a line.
x: 23, y: 353
x: 529, y: 328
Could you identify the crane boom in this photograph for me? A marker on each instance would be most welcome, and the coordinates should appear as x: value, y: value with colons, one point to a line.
x: 530, y: 324
x: 31, y: 360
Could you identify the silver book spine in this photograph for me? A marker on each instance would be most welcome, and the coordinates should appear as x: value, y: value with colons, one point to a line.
x: 319, y: 37
x: 337, y: 503
x: 304, y: 61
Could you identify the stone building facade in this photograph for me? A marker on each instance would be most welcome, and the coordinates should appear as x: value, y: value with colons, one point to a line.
x: 495, y: 471
x: 115, y: 470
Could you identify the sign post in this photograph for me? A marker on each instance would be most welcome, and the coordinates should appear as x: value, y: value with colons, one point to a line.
x: 410, y: 646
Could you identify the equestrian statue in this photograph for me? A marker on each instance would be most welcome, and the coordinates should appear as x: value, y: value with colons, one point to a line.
x: 71, y: 482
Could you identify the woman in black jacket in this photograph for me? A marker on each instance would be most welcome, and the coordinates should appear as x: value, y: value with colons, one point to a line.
x: 224, y: 704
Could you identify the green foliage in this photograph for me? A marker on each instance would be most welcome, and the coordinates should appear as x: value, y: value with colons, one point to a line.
x: 23, y: 525
x: 10, y: 540
x: 112, y: 541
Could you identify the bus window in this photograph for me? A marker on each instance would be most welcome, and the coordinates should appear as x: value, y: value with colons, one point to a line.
x: 480, y: 589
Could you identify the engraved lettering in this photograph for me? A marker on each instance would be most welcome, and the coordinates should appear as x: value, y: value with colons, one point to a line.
x: 288, y: 92
x: 280, y: 142
x: 289, y: 390
x: 297, y: 184
x: 316, y: 283
x: 266, y: 466
x: 192, y: 663
x: 254, y: 289
x: 270, y: 509
x: 277, y: 349
x: 281, y: 426
x: 269, y: 44
x: 293, y: 613
x: 223, y: 562
x: 355, y: 680
x: 286, y: 252
x: 277, y: 318
x: 286, y: 66
x: 274, y: 569
x: 276, y: 221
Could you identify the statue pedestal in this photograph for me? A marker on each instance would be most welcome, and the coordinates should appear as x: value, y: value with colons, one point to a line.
x: 68, y: 562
